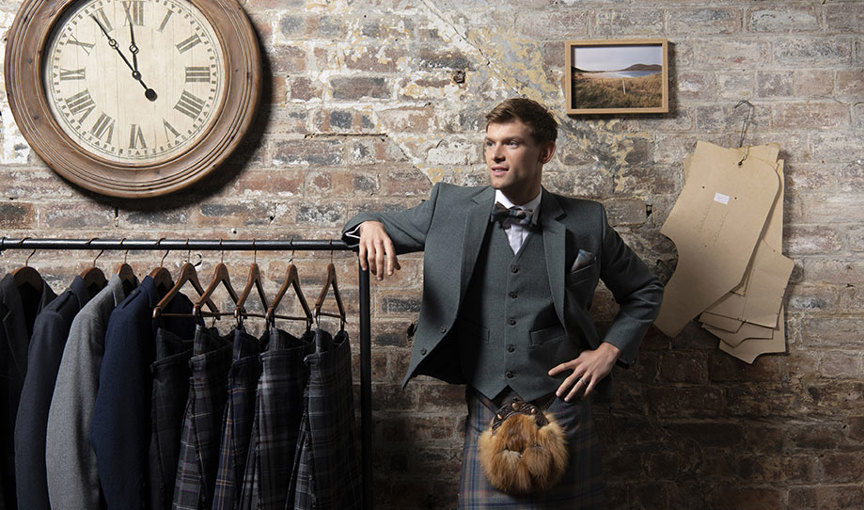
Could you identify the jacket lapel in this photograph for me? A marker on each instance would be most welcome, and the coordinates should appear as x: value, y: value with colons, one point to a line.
x: 476, y: 222
x: 554, y: 245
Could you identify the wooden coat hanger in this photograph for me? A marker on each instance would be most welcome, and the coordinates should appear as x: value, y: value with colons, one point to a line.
x: 254, y: 280
x: 292, y: 280
x: 28, y: 276
x: 126, y: 273
x: 93, y: 277
x: 330, y: 281
x: 161, y: 276
x: 220, y: 276
x: 187, y: 274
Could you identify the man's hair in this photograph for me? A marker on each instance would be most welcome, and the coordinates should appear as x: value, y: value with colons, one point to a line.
x: 531, y: 113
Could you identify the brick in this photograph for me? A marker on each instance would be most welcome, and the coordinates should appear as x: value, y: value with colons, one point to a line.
x: 749, y: 400
x: 407, y: 119
x: 677, y: 401
x: 855, y: 234
x: 707, y: 434
x: 825, y: 209
x: 360, y: 87
x: 288, y: 59
x: 630, y: 22
x: 812, y: 298
x: 283, y: 183
x: 745, y: 497
x: 836, y: 146
x: 76, y: 215
x: 551, y: 24
x: 812, y: 115
x: 775, y: 83
x: 682, y: 367
x: 855, y: 428
x: 246, y: 214
x: 850, y: 83
x: 696, y: 86
x: 844, y: 18
x: 842, y: 272
x: 307, y: 152
x: 704, y: 21
x: 844, y: 467
x: 785, y: 20
x: 833, y: 332
x: 625, y: 211
x: 331, y: 215
x: 724, y: 368
x: 736, y: 54
x: 812, y: 52
x: 301, y: 88
x: 17, y: 215
x: 828, y: 398
x: 811, y: 83
x: 378, y: 59
x: 827, y: 497
x: 837, y: 364
x: 811, y: 239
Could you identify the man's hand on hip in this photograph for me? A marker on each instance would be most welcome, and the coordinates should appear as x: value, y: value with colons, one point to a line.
x: 587, y: 370
x: 376, y: 250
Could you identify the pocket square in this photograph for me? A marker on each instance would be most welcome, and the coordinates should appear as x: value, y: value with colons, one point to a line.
x: 583, y: 258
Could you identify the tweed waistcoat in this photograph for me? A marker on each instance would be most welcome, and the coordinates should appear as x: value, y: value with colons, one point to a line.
x: 509, y: 332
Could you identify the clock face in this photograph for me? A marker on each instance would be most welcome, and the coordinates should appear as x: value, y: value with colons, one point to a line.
x: 134, y: 82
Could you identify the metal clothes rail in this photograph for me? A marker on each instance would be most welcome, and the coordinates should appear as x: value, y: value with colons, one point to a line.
x: 250, y: 245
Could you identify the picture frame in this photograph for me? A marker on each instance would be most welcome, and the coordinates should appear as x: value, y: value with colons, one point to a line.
x: 617, y: 76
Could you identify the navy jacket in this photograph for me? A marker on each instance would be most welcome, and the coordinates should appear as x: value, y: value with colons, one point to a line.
x: 120, y: 428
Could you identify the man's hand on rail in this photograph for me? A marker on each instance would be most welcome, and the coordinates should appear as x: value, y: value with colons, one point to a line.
x: 376, y: 250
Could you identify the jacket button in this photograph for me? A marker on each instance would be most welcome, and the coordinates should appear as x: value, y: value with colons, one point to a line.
x: 514, y: 268
x: 512, y: 295
x: 511, y: 321
x: 509, y: 374
x: 511, y: 348
x: 423, y: 351
x: 443, y: 329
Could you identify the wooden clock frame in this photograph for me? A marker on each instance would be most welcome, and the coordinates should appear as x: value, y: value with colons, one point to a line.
x: 27, y: 40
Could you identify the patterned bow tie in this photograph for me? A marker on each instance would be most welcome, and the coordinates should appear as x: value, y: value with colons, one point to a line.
x: 512, y: 216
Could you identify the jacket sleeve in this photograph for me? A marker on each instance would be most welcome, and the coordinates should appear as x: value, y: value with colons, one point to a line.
x: 407, y: 229
x: 637, y: 291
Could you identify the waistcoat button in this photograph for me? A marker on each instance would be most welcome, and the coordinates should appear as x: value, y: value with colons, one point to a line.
x: 512, y: 295
x: 514, y: 268
x: 511, y: 321
x: 509, y: 374
x: 423, y: 351
x: 511, y: 348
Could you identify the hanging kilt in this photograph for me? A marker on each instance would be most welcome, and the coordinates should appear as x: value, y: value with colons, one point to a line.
x: 326, y: 471
x: 581, y: 487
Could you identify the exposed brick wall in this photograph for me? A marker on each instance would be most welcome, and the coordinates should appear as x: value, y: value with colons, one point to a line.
x: 369, y: 102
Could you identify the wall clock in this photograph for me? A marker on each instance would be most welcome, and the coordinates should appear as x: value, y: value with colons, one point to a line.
x: 133, y: 98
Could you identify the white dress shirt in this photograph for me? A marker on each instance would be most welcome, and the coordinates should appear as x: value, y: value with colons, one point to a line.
x: 516, y: 234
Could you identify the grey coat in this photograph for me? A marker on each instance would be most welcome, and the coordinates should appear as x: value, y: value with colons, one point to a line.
x: 449, y: 229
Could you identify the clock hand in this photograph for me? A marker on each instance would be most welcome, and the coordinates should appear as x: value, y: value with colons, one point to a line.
x: 148, y: 92
x: 133, y: 47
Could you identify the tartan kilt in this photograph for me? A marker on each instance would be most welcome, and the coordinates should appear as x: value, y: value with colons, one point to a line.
x: 581, y: 487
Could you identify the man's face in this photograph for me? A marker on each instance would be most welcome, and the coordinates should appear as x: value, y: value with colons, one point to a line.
x: 515, y: 161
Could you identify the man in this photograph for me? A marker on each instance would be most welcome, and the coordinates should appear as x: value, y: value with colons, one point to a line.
x: 505, y: 304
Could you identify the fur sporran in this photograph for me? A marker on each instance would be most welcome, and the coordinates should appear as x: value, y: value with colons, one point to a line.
x: 524, y: 450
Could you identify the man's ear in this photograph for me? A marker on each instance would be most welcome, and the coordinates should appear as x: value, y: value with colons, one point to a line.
x: 546, y: 152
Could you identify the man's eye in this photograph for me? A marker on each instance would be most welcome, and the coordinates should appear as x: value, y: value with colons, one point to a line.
x: 513, y: 143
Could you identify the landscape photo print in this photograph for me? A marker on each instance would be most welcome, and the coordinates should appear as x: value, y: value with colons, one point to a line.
x: 625, y: 76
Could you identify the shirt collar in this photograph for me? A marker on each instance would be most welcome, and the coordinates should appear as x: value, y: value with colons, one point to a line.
x: 533, y: 204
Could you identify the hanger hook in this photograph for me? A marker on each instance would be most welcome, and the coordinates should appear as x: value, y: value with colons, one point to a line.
x: 221, y: 252
x: 162, y: 262
x: 254, y: 253
x: 747, y: 120
x: 290, y: 260
x: 125, y: 253
x: 331, y: 251
x: 97, y: 257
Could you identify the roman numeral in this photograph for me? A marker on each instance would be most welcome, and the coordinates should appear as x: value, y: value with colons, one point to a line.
x: 188, y: 44
x: 87, y: 46
x: 189, y: 105
x: 104, y: 125
x: 165, y: 21
x: 194, y: 73
x: 81, y: 102
x: 103, y: 19
x: 168, y: 127
x: 136, y: 137
x: 134, y: 12
x: 73, y: 74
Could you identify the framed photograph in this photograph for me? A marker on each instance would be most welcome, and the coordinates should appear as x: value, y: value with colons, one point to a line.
x: 624, y: 76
